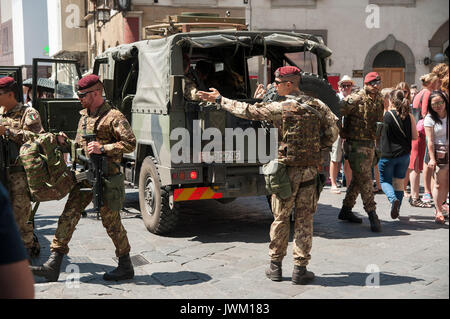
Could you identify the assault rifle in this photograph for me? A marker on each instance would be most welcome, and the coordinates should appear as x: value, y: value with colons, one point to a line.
x: 4, y: 161
x: 95, y: 168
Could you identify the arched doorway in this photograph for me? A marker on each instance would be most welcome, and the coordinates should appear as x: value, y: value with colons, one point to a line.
x: 392, y: 44
x: 390, y: 65
x: 439, y: 43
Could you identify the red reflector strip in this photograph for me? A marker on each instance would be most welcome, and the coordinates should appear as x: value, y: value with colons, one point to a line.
x: 195, y: 193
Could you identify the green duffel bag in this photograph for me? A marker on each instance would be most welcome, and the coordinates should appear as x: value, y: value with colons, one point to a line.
x: 114, y: 191
x: 48, y: 176
x: 277, y: 179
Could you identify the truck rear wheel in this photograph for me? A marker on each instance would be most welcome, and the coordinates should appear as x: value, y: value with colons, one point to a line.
x: 156, y: 213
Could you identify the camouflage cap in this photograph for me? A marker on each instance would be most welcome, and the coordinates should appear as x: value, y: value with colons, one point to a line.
x: 88, y: 81
x: 287, y: 71
x: 6, y: 82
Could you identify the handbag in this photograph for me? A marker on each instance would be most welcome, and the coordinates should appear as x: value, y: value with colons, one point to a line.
x: 441, y: 154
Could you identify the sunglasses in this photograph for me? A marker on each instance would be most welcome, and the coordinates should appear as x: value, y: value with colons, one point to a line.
x: 374, y: 82
x: 83, y: 94
x: 435, y: 104
x: 346, y: 86
x: 279, y: 82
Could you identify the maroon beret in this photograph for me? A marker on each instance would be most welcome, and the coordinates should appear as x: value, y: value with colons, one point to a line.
x: 371, y: 76
x: 88, y: 81
x: 287, y: 70
x: 6, y: 82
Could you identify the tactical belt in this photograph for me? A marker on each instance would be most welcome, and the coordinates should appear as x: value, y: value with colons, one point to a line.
x: 307, y: 183
x: 363, y: 143
x: 16, y: 169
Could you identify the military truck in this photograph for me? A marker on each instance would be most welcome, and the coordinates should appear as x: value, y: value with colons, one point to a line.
x: 60, y: 111
x: 146, y: 81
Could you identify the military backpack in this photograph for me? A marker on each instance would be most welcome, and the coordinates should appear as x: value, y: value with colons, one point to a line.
x: 49, y: 177
x: 300, y: 145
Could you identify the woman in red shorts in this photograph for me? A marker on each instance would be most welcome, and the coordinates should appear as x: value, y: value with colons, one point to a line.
x: 420, y: 107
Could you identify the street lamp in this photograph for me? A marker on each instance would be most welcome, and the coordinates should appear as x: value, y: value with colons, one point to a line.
x: 103, y: 14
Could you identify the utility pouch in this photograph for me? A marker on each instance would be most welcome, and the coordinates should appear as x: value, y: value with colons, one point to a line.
x: 376, y: 157
x: 355, y: 158
x: 277, y: 179
x: 114, y: 191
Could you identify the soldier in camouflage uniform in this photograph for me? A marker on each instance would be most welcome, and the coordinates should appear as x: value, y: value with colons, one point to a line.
x: 114, y: 137
x: 194, y: 80
x: 17, y: 121
x: 362, y: 111
x: 305, y: 126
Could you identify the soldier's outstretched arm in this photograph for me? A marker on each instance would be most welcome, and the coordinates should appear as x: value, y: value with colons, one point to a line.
x: 255, y: 112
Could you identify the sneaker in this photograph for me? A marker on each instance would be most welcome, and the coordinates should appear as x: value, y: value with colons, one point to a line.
x: 427, y: 198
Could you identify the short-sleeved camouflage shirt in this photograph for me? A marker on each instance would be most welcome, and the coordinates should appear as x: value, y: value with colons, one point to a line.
x: 21, y: 120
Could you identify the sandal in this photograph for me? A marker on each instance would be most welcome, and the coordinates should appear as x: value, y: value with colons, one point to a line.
x: 416, y: 202
x: 335, y: 190
x: 445, y: 210
x: 439, y: 218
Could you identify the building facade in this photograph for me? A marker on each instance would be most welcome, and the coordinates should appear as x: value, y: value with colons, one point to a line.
x: 24, y: 34
x: 401, y: 39
x: 125, y: 20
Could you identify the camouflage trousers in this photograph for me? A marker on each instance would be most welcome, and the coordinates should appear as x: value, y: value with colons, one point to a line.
x: 360, y: 161
x: 77, y: 202
x: 21, y: 205
x: 305, y: 201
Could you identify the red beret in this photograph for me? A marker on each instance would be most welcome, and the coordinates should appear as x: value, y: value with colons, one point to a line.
x: 6, y: 82
x: 88, y: 81
x: 371, y: 76
x: 287, y: 70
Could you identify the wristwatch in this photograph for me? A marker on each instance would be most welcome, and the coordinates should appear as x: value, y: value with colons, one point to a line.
x: 219, y: 99
x: 102, y: 149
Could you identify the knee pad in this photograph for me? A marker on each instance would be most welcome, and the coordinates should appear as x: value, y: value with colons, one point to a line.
x: 397, y: 183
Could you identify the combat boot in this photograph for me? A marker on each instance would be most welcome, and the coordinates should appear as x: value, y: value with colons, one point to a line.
x: 123, y: 271
x: 51, y: 269
x: 274, y: 271
x: 375, y: 224
x: 347, y: 214
x: 300, y: 276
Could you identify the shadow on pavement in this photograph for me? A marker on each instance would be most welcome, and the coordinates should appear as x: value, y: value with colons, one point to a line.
x: 166, y: 279
x: 362, y: 279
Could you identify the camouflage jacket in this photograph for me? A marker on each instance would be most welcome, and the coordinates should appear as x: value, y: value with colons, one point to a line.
x: 277, y: 113
x: 112, y: 131
x: 21, y: 120
x: 361, y: 113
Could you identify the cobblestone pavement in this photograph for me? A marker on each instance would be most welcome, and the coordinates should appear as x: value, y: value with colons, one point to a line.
x: 221, y: 251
